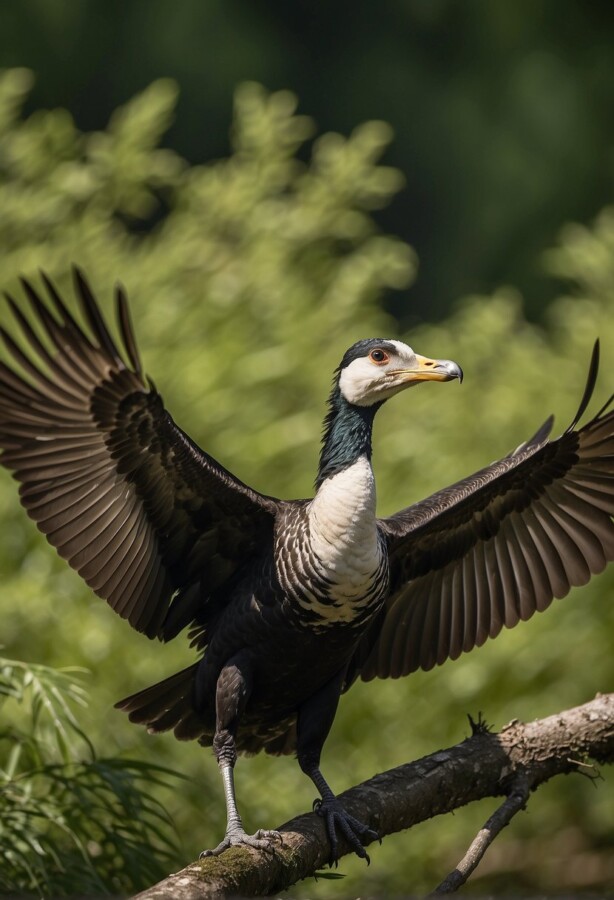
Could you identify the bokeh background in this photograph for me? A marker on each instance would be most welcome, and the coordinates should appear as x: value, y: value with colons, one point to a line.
x: 272, y: 181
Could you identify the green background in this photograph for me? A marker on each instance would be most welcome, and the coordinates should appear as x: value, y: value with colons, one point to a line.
x: 250, y: 275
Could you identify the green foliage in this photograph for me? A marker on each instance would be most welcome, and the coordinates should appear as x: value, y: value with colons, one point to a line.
x: 248, y: 278
x: 69, y: 821
x: 501, y: 111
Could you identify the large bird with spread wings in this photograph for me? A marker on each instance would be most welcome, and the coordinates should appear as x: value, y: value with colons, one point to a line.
x: 288, y: 602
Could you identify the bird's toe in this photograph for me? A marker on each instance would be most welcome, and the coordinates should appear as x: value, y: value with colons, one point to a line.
x: 270, y: 836
x: 223, y: 845
x: 261, y: 840
x: 354, y: 831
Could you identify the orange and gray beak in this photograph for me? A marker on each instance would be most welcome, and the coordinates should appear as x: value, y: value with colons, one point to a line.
x: 427, y: 369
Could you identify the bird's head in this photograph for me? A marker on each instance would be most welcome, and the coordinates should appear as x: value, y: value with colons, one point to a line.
x: 374, y: 370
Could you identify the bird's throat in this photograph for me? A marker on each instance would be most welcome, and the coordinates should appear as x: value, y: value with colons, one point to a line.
x: 347, y: 436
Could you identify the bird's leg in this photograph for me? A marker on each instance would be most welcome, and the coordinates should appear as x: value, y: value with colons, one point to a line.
x: 232, y: 692
x: 315, y: 718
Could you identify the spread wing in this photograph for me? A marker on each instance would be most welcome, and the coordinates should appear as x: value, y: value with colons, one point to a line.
x: 495, y: 548
x: 150, y: 521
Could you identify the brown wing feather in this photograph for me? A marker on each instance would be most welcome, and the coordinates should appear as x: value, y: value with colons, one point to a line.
x: 495, y: 548
x: 122, y: 493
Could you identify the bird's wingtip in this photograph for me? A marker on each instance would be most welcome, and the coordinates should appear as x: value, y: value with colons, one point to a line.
x: 591, y: 380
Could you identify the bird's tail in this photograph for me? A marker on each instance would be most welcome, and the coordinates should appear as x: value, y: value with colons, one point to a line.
x: 169, y: 704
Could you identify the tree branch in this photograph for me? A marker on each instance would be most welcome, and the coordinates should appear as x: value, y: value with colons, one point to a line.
x: 511, y: 764
x: 514, y: 802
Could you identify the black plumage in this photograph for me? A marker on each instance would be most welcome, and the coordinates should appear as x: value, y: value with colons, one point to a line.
x: 288, y: 602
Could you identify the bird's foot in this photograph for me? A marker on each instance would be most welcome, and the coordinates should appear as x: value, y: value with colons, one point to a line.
x: 351, y: 828
x: 237, y: 837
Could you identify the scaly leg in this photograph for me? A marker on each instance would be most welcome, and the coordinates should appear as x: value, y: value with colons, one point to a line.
x: 314, y: 722
x: 232, y: 692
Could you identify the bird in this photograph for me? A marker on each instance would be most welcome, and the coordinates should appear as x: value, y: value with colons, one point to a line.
x: 286, y: 602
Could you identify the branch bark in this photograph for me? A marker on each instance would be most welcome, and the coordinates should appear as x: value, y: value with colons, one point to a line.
x: 512, y: 763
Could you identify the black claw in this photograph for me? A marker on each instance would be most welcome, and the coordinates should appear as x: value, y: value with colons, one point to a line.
x: 351, y: 828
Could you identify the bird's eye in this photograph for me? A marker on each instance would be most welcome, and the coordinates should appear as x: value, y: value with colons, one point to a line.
x: 379, y: 357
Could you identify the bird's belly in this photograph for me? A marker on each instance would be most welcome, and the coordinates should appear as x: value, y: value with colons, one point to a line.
x: 286, y: 659
x: 290, y: 649
x: 285, y: 676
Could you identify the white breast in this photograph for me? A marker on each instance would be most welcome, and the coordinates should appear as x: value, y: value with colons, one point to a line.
x: 344, y: 547
x: 343, y: 533
x: 334, y: 563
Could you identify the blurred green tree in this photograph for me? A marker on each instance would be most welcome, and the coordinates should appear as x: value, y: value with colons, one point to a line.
x: 248, y: 278
x: 501, y: 111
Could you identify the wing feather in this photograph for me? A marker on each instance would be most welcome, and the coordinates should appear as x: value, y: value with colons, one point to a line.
x: 118, y: 489
x: 429, y: 638
x: 537, y: 572
x: 456, y: 619
x: 477, y: 562
x: 469, y: 599
x: 524, y: 596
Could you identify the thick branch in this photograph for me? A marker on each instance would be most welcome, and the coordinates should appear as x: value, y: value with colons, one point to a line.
x: 484, y: 765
